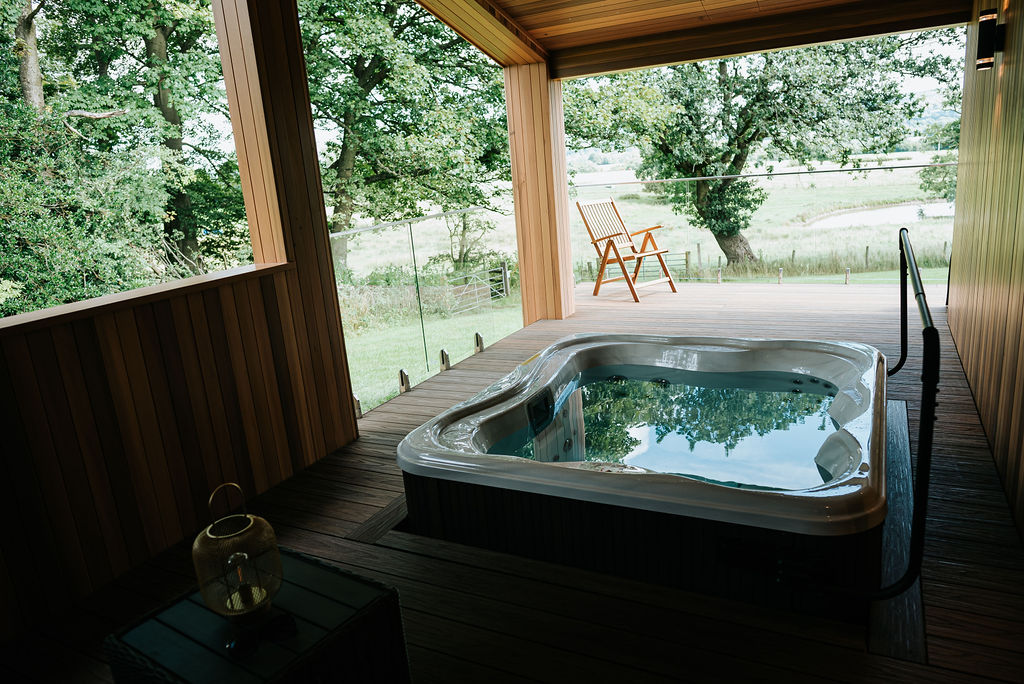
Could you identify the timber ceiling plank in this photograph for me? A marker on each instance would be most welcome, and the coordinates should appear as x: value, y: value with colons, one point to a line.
x: 835, y: 22
x: 486, y: 25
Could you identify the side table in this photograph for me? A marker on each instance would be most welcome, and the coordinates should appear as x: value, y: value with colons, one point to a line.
x: 347, y: 628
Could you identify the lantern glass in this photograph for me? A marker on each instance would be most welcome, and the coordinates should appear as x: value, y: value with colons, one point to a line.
x: 238, y: 565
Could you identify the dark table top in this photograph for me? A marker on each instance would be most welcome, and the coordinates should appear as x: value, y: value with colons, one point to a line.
x: 187, y: 640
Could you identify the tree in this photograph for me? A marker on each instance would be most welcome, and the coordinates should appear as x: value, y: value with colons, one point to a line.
x: 102, y: 189
x: 940, y: 181
x: 414, y: 114
x: 156, y: 63
x: 719, y: 118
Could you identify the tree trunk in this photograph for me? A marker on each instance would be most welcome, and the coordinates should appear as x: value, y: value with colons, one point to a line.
x: 29, y: 74
x: 344, y: 205
x: 736, y: 248
x: 179, y: 233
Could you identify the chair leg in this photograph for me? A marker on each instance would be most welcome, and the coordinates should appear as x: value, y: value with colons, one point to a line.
x: 664, y: 269
x: 636, y: 270
x: 600, y: 269
x: 625, y: 273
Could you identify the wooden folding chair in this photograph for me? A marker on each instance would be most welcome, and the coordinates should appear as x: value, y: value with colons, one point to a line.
x: 614, y: 244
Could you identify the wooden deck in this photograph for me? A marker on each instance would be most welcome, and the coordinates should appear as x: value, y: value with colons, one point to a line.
x: 473, y: 615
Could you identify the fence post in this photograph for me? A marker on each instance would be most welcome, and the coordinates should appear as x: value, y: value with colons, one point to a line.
x: 478, y: 343
x: 792, y: 258
x: 719, y: 262
x: 700, y: 262
x: 590, y: 269
x: 446, y: 363
x: 687, y: 264
x: 403, y: 381
x: 504, y: 279
x: 780, y: 275
x: 847, y: 276
x: 867, y: 265
x: 719, y: 274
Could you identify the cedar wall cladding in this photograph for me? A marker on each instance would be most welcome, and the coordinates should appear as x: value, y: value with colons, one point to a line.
x: 986, y: 296
x: 120, y: 415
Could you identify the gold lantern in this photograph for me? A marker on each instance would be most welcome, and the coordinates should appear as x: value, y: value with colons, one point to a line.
x: 237, y: 563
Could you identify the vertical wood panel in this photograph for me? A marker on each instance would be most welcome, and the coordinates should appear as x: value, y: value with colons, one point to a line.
x: 540, y: 191
x: 41, y: 454
x: 69, y: 465
x: 170, y: 431
x: 192, y: 468
x: 245, y: 436
x: 152, y: 456
x: 98, y: 389
x: 223, y: 427
x: 206, y: 442
x: 986, y: 299
x: 85, y: 427
x: 29, y: 541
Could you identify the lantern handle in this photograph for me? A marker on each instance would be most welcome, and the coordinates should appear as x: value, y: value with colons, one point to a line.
x: 209, y: 503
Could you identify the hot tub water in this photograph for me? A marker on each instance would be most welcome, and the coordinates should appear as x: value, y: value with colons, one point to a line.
x: 753, y: 430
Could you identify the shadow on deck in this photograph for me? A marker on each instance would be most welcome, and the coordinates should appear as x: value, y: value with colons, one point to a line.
x: 473, y: 615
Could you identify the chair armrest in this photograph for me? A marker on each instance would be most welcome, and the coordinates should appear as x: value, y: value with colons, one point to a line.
x: 644, y: 230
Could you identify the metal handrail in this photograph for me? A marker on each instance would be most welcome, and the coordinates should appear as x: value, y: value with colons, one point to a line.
x: 926, y: 427
x: 767, y: 174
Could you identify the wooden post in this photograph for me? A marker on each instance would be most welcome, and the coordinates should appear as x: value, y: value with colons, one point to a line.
x: 687, y: 265
x: 780, y: 275
x: 700, y: 262
x: 792, y: 258
x: 268, y: 96
x: 719, y: 262
x: 847, y: 276
x: 540, y: 191
x: 719, y: 276
x: 867, y: 263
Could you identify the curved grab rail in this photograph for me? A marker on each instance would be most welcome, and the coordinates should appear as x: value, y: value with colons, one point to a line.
x: 929, y: 390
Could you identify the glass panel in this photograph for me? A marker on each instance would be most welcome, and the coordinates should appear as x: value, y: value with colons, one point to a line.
x: 813, y: 225
x: 409, y: 290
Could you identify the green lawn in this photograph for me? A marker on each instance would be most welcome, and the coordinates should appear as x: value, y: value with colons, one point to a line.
x: 376, y: 355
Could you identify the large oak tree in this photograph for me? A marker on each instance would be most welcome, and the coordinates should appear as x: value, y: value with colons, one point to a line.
x: 720, y: 118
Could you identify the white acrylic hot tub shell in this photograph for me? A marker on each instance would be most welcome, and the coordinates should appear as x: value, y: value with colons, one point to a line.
x: 452, y: 446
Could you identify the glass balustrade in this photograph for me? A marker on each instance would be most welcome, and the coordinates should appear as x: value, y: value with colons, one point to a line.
x: 814, y: 225
x: 410, y: 289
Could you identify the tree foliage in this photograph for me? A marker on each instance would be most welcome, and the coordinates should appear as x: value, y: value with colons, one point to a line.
x: 113, y: 173
x: 699, y: 414
x: 720, y: 118
x: 415, y: 115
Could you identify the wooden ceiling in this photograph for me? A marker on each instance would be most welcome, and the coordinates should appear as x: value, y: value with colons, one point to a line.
x: 583, y: 37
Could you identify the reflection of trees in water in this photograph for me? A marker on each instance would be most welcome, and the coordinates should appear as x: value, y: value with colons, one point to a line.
x: 699, y: 414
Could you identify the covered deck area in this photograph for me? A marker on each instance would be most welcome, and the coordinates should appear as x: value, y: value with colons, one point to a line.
x: 475, y: 615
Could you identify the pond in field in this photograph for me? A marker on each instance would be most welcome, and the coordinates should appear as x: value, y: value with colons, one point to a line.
x: 907, y: 213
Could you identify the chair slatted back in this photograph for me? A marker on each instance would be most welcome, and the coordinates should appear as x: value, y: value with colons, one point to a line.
x: 603, y: 221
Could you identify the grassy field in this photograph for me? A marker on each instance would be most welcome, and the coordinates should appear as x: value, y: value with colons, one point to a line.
x: 376, y: 355
x: 782, y: 224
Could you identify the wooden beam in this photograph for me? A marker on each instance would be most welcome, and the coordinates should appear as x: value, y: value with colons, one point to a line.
x: 487, y: 26
x: 268, y: 95
x: 540, y: 191
x: 841, y: 22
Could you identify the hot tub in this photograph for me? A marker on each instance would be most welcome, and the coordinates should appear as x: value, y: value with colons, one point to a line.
x: 736, y: 466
